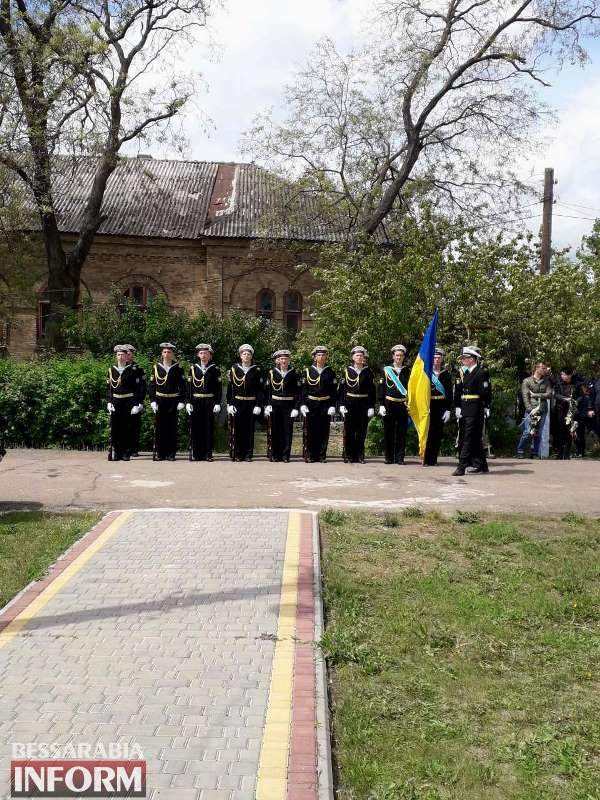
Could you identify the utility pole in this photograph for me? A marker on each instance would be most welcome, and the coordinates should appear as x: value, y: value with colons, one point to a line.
x: 547, y: 220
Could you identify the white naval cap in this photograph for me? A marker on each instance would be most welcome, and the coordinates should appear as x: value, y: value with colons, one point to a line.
x: 398, y: 347
x: 247, y: 347
x: 359, y: 349
x: 471, y: 351
x: 204, y: 346
x: 438, y: 352
x: 130, y: 348
x: 120, y: 348
x: 167, y: 346
x: 320, y: 348
x: 279, y: 353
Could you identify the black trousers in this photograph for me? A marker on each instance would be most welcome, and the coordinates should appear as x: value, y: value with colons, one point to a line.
x: 356, y: 422
x: 434, y: 437
x: 121, y: 428
x: 136, y: 432
x: 316, y: 431
x: 395, y: 425
x: 563, y: 438
x: 471, y: 452
x: 280, y: 430
x: 241, y: 431
x: 165, y: 428
x: 202, y: 429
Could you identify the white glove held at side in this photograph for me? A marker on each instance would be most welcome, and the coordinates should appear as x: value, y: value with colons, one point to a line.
x: 217, y: 408
x: 154, y: 406
x: 458, y: 413
x: 304, y: 410
x: 382, y: 411
x: 189, y: 408
x: 445, y: 416
x: 294, y: 413
x: 256, y: 411
x: 231, y: 410
x: 110, y: 408
x: 343, y: 411
x: 370, y: 412
x: 135, y: 410
x: 486, y: 413
x: 268, y: 410
x: 180, y: 406
x: 331, y: 411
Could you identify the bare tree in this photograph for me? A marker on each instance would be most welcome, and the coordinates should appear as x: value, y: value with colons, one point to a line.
x: 442, y: 99
x: 84, y: 78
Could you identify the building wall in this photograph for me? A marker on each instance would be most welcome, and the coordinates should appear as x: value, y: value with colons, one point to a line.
x: 219, y: 276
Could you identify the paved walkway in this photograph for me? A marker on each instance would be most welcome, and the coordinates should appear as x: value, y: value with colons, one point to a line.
x: 68, y: 479
x: 190, y: 633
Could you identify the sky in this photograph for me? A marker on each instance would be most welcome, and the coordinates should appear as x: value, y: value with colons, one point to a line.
x: 260, y: 43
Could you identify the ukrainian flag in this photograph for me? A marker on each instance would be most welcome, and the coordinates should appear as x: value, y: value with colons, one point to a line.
x: 419, y: 384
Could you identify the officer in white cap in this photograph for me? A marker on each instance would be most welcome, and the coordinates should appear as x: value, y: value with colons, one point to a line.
x: 318, y: 401
x: 282, y: 393
x: 203, y: 402
x: 167, y: 391
x: 244, y: 401
x: 122, y: 405
x: 472, y: 402
x: 357, y: 404
x: 439, y: 407
x: 141, y: 396
x: 393, y: 394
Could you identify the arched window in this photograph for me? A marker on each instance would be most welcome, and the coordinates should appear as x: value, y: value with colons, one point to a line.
x: 292, y: 310
x: 139, y: 294
x: 265, y: 304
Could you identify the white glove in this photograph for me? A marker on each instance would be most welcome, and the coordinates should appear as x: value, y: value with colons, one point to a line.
x: 294, y: 413
x: 304, y: 410
x: 231, y: 410
x: 110, y: 408
x: 343, y: 411
x: 458, y: 413
x: 370, y: 412
x: 154, y: 406
x: 382, y: 411
x: 189, y: 408
x: 217, y: 408
x: 135, y: 410
x: 486, y: 413
x: 256, y: 411
x: 446, y: 417
x: 180, y: 406
x: 331, y: 411
x: 268, y: 410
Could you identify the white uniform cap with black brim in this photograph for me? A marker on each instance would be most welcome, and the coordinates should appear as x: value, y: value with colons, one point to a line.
x: 204, y: 346
x: 397, y: 347
x: 247, y: 347
x: 279, y: 353
x: 167, y: 346
x: 319, y: 349
x: 359, y: 349
x: 471, y: 351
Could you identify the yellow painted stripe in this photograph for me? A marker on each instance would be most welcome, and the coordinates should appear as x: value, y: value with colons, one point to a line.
x: 38, y: 603
x: 272, y: 769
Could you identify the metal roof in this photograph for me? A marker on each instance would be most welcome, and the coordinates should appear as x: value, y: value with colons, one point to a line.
x: 189, y: 200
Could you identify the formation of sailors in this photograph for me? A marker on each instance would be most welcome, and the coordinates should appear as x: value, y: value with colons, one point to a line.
x: 283, y: 394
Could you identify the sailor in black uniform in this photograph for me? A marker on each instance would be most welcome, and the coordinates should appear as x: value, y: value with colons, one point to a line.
x: 393, y: 391
x: 141, y: 396
x: 167, y: 392
x: 282, y: 392
x: 319, y: 397
x: 439, y: 409
x: 244, y: 401
x: 203, y: 402
x: 472, y: 401
x: 122, y: 404
x: 357, y: 404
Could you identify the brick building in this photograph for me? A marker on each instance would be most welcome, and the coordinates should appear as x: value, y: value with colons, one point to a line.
x: 210, y: 236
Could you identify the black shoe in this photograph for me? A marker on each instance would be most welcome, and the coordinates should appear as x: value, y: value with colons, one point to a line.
x: 323, y: 460
x: 459, y: 471
x: 400, y: 463
x: 475, y: 471
x: 135, y: 455
x: 170, y: 458
x: 286, y: 460
x: 125, y: 458
x: 520, y: 455
x: 388, y: 461
x: 248, y: 458
x: 361, y: 461
x: 209, y: 458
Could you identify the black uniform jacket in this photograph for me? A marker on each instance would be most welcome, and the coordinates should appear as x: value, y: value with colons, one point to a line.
x: 204, y: 385
x: 125, y: 385
x: 244, y: 385
x: 282, y: 387
x: 387, y: 389
x: 356, y: 385
x: 473, y: 391
x: 320, y: 387
x: 438, y: 400
x: 167, y: 384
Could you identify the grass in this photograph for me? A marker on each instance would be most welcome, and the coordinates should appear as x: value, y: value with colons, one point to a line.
x: 464, y: 656
x: 30, y: 541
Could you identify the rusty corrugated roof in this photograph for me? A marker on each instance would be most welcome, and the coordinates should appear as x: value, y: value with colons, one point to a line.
x: 191, y: 200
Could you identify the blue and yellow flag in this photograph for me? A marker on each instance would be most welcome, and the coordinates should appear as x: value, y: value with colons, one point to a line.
x: 419, y: 384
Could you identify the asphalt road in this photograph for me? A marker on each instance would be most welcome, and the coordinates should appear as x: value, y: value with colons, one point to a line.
x: 56, y: 479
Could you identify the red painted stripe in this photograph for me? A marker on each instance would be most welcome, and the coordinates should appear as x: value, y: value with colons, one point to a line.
x: 302, y: 781
x: 13, y: 610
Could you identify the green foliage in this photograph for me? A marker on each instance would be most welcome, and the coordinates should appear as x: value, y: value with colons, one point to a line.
x: 97, y: 328
x: 333, y: 517
x: 413, y: 512
x: 466, y: 517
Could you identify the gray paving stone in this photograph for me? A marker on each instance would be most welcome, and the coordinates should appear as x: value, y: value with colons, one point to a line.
x: 157, y: 640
